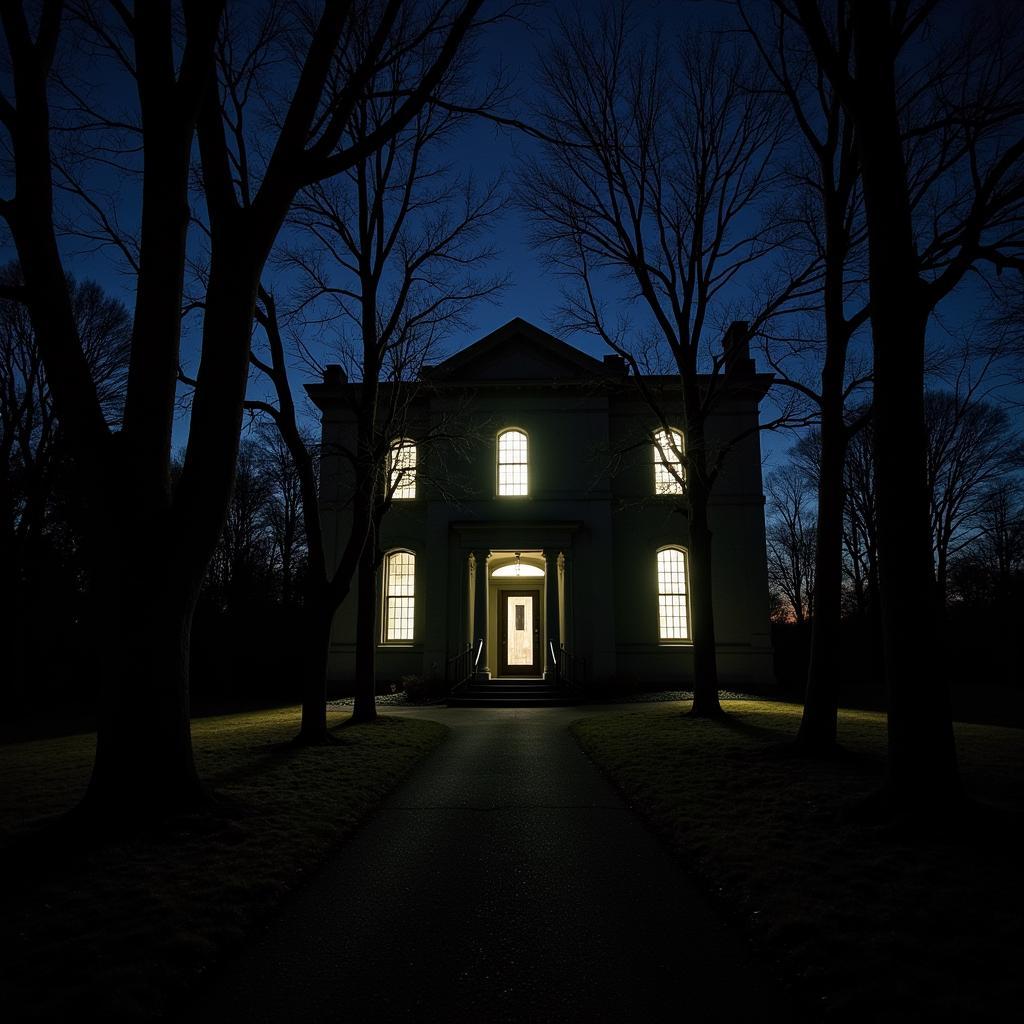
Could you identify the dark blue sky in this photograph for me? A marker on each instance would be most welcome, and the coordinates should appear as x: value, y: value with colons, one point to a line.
x: 534, y: 291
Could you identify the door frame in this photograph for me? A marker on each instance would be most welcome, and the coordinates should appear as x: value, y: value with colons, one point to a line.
x: 536, y: 669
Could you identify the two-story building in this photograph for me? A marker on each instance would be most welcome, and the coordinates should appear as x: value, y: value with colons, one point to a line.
x: 537, y: 509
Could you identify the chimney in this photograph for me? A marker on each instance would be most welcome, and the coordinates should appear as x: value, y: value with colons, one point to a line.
x: 736, y: 346
x: 616, y: 365
x: 335, y: 376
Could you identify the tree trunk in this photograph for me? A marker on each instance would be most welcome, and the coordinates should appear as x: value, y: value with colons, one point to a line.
x: 144, y: 765
x: 705, y: 664
x: 317, y: 619
x: 365, y: 708
x: 817, y: 733
x: 923, y: 769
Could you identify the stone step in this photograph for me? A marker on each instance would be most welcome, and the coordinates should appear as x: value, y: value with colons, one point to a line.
x: 469, y: 701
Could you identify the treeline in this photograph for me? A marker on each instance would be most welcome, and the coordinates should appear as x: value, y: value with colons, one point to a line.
x: 250, y: 604
x: 975, y: 479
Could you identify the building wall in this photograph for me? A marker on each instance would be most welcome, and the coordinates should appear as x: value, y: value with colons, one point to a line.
x: 591, y: 496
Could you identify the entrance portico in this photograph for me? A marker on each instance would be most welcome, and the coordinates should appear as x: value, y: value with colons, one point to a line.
x: 518, y: 615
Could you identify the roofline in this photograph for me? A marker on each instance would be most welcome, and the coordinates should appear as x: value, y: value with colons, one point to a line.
x: 754, y: 386
x: 517, y: 325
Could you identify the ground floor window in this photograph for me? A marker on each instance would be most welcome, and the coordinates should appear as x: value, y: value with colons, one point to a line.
x: 673, y: 617
x: 399, y: 595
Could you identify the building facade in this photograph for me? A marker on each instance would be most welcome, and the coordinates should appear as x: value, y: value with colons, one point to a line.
x: 537, y: 516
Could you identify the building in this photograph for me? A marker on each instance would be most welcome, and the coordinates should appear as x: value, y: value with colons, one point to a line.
x: 544, y: 523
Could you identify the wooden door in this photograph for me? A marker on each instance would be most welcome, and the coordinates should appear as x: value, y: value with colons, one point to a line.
x: 520, y: 633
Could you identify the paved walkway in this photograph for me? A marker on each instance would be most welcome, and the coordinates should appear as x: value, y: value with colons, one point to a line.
x: 504, y: 881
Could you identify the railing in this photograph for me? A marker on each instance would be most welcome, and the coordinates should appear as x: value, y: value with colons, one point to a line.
x: 459, y: 668
x: 570, y: 670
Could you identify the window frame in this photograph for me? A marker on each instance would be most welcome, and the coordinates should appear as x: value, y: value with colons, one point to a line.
x: 397, y: 445
x: 498, y: 463
x: 684, y: 594
x: 671, y: 487
x: 386, y: 598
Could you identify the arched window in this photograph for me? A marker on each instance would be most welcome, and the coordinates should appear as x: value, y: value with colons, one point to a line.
x: 668, y: 462
x: 402, y: 468
x: 513, y: 470
x: 399, y: 596
x: 673, y: 611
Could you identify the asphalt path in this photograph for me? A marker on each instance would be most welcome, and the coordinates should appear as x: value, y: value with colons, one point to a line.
x: 505, y: 880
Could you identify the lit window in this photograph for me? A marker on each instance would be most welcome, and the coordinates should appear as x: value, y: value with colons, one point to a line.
x: 402, y: 469
x: 673, y: 620
x: 512, y: 462
x: 517, y: 571
x: 668, y: 462
x: 399, y: 595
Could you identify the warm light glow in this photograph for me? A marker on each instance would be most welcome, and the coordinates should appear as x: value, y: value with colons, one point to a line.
x: 673, y: 620
x: 399, y: 595
x: 402, y: 469
x: 512, y: 463
x: 668, y: 462
x: 521, y: 571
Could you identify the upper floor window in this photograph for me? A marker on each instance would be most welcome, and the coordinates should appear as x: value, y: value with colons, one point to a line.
x: 402, y: 468
x: 399, y: 595
x: 673, y: 613
x: 513, y: 476
x: 668, y: 462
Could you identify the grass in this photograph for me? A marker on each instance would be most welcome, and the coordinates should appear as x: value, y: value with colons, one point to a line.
x: 128, y: 928
x: 863, y: 922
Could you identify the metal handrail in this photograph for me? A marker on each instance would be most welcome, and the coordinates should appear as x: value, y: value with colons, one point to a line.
x: 459, y: 668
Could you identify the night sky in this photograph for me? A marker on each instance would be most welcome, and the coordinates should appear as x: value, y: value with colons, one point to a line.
x: 488, y: 152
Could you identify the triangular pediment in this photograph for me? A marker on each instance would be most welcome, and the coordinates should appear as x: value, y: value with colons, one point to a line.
x: 518, y: 351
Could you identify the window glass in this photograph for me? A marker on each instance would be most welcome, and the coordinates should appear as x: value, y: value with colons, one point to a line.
x: 402, y: 469
x: 673, y: 619
x: 523, y: 571
x: 399, y: 595
x: 668, y: 462
x: 512, y: 463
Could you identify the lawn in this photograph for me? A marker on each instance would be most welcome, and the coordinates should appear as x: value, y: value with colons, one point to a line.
x: 863, y: 922
x: 127, y: 929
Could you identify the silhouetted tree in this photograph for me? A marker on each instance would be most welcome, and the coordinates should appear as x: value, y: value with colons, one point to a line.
x: 40, y: 517
x: 242, y: 562
x: 990, y: 572
x: 284, y: 509
x: 389, y: 255
x: 939, y: 198
x: 826, y: 212
x: 148, y: 547
x: 791, y: 539
x: 657, y: 169
x: 972, y: 449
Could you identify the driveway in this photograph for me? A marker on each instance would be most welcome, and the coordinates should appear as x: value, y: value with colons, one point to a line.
x: 505, y: 880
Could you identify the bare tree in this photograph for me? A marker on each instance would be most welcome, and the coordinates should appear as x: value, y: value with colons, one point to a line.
x: 284, y: 511
x: 972, y: 451
x: 38, y: 507
x: 940, y: 199
x: 149, y: 547
x: 827, y: 218
x: 656, y: 170
x: 389, y: 256
x: 990, y: 572
x: 791, y: 539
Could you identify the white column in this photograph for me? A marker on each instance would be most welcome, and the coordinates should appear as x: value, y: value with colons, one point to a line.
x: 550, y: 610
x: 480, y: 615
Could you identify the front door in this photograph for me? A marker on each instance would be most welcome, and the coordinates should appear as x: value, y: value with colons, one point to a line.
x: 520, y: 633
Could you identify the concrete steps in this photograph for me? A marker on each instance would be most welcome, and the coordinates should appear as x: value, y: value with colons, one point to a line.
x: 511, y: 693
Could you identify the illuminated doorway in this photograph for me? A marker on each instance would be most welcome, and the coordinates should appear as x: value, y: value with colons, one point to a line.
x: 518, y: 612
